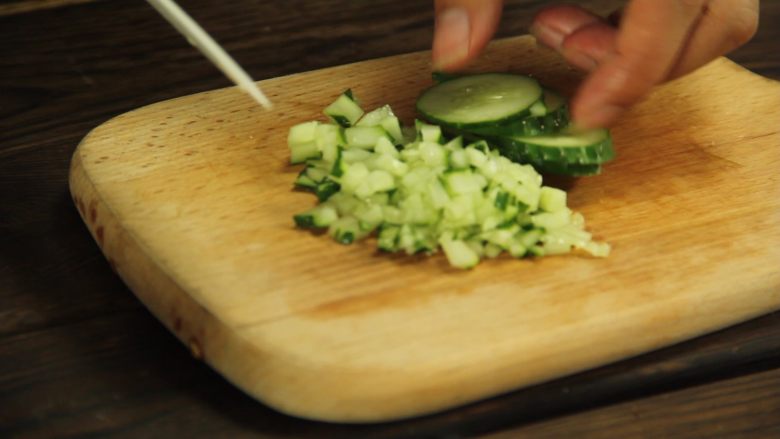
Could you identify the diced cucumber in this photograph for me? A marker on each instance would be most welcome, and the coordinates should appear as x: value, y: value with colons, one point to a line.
x: 345, y: 111
x: 317, y: 217
x: 354, y: 176
x: 385, y: 146
x: 328, y: 137
x: 326, y: 189
x: 346, y: 230
x: 464, y: 182
x: 304, y: 181
x: 552, y: 199
x: 432, y: 153
x: 302, y: 142
x: 381, y: 181
x: 355, y: 155
x: 428, y: 133
x: 459, y: 254
x: 392, y: 125
x: 364, y: 137
x: 552, y: 220
x: 374, y: 118
x: 430, y: 192
x: 388, y: 238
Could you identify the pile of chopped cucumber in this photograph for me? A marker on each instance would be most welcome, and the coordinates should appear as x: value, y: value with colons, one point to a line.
x: 466, y: 180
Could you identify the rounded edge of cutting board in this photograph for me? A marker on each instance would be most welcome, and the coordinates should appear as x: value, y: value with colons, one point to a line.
x: 282, y: 382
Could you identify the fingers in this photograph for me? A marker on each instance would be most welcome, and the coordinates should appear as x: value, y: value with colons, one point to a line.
x: 463, y: 28
x: 724, y: 25
x: 552, y: 25
x: 653, y: 34
x: 589, y: 46
x: 584, y: 39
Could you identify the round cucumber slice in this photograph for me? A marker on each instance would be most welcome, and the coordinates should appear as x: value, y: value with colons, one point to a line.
x: 479, y: 100
x: 552, y: 121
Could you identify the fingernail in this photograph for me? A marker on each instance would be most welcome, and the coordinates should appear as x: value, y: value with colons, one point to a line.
x: 453, y: 33
x: 579, y: 59
x: 597, y: 115
x: 548, y: 36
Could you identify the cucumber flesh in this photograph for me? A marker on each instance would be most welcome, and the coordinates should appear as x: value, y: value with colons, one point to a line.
x: 554, y: 118
x: 478, y: 100
x: 345, y: 110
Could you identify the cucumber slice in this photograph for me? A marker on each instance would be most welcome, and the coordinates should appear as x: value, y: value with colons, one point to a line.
x: 589, y: 147
x: 479, y: 100
x: 552, y: 116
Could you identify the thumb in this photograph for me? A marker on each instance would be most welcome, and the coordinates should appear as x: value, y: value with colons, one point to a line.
x: 463, y: 28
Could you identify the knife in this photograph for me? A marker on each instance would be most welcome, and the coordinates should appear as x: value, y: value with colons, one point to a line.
x: 209, y: 48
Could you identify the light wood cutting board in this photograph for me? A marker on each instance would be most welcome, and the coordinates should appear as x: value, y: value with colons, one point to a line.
x: 191, y: 201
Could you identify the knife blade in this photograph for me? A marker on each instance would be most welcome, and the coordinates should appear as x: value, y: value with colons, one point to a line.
x: 199, y: 38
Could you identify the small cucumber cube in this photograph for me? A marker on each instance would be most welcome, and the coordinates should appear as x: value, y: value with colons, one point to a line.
x: 393, y: 128
x: 300, y: 152
x: 433, y: 154
x: 302, y: 133
x: 459, y: 254
x: 354, y: 176
x: 344, y: 110
x: 364, y: 137
x: 387, y: 239
x: 552, y: 199
x: 374, y: 117
x: 381, y: 181
x: 385, y: 146
x: 326, y: 189
x: 551, y: 220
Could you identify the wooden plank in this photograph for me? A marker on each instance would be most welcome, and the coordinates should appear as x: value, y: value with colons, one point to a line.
x: 190, y: 201
x: 26, y: 6
x: 701, y: 411
x: 133, y: 379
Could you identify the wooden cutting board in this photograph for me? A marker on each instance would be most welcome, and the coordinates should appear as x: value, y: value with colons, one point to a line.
x: 191, y: 201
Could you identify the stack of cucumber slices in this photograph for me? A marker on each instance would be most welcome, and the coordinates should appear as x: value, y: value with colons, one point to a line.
x: 466, y: 180
x: 514, y: 113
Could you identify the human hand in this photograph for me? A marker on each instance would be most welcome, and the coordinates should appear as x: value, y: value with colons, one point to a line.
x: 656, y: 41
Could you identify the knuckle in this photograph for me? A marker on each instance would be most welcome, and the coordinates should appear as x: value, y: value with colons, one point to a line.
x: 743, y: 29
x: 740, y: 23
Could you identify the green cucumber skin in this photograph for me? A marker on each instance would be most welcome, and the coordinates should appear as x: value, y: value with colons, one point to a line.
x: 519, y: 151
x: 575, y: 161
x: 326, y: 189
x: 304, y: 221
x: 568, y: 170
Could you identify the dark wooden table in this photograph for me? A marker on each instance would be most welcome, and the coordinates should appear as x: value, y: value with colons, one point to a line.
x: 80, y: 356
